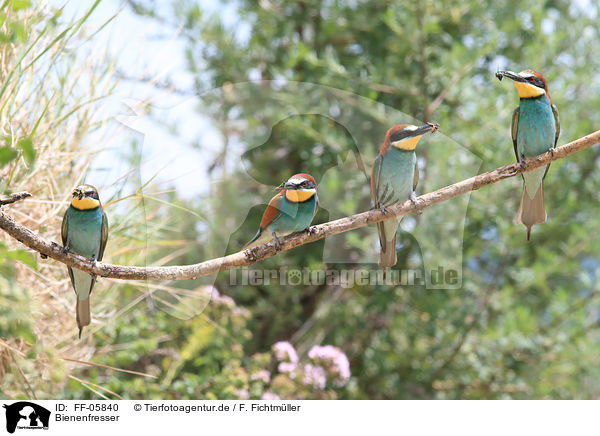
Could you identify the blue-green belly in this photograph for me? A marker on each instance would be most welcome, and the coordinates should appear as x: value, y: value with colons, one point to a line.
x: 396, y: 176
x: 83, y: 237
x: 85, y: 231
x: 535, y: 135
x: 295, y: 217
x: 537, y: 127
x: 396, y: 181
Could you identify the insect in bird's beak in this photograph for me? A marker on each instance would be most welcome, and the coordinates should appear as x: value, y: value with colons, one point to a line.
x: 434, y: 127
x: 509, y: 74
x: 499, y: 74
x: 281, y: 186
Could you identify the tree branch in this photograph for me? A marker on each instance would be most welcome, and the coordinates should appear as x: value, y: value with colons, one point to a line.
x: 13, y: 198
x: 249, y: 257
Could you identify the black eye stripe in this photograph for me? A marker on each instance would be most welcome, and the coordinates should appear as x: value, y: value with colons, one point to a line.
x: 306, y: 184
x: 397, y: 136
x: 536, y: 81
x: 91, y: 194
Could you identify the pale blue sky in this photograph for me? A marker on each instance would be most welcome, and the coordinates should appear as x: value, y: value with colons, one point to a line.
x: 133, y: 44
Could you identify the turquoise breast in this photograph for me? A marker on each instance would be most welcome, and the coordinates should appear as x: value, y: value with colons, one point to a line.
x: 85, y: 231
x: 295, y: 217
x: 536, y: 134
x: 397, y: 173
x: 537, y: 127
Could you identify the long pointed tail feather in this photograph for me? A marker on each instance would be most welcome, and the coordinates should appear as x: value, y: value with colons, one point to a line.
x: 387, y: 255
x: 253, y: 242
x: 83, y: 314
x: 532, y: 212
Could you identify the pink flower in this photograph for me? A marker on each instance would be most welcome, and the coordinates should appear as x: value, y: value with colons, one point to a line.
x: 262, y: 375
x: 314, y: 376
x: 224, y: 300
x: 287, y: 367
x: 270, y: 396
x: 333, y: 361
x: 285, y: 352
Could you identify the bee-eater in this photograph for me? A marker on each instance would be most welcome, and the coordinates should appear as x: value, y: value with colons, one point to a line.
x: 291, y: 210
x: 84, y: 231
x: 534, y: 129
x: 394, y: 178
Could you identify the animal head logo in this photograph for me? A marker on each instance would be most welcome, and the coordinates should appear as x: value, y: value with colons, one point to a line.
x: 26, y: 415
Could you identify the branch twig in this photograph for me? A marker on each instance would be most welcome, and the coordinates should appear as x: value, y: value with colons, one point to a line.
x: 13, y: 198
x: 248, y: 257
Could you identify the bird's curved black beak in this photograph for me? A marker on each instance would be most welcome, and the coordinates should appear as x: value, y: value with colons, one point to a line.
x: 511, y: 75
x: 291, y: 186
x: 426, y: 128
x: 78, y: 193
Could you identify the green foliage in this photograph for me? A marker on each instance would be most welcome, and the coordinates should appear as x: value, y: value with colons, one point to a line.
x: 7, y: 267
x: 7, y: 155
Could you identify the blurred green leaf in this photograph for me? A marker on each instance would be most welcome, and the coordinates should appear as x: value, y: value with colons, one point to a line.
x: 23, y: 256
x: 26, y: 144
x: 7, y: 154
x: 17, y: 31
x: 17, y: 5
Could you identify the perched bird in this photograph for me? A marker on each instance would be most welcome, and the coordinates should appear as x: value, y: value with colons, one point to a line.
x: 291, y: 210
x: 534, y: 129
x: 84, y: 231
x: 394, y: 178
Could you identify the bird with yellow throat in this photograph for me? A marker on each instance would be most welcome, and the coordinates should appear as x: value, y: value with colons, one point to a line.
x: 84, y: 231
x: 394, y: 178
x: 291, y: 210
x: 534, y: 129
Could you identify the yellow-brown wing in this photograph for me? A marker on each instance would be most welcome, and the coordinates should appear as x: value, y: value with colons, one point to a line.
x: 273, y: 212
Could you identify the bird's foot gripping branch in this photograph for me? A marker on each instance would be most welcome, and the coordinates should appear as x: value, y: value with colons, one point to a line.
x: 321, y: 231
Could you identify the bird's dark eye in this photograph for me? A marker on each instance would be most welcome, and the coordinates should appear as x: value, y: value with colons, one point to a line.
x: 304, y: 184
x: 536, y: 82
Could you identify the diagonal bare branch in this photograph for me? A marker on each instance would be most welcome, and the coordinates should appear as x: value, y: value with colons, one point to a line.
x: 249, y: 257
